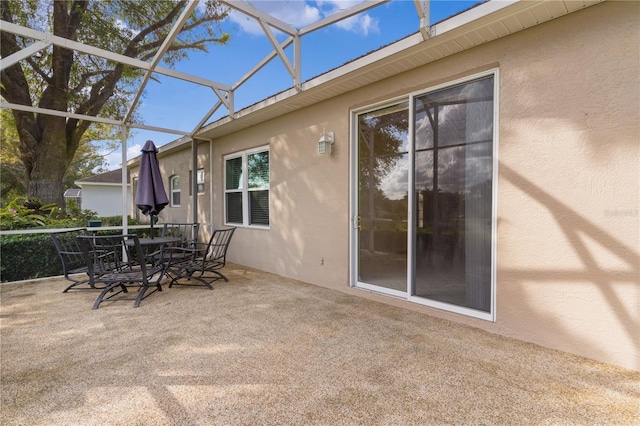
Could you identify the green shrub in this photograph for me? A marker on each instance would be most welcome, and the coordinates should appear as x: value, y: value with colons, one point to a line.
x: 28, y: 256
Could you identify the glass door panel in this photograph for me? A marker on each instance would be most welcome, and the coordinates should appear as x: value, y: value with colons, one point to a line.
x: 453, y: 194
x: 383, y: 170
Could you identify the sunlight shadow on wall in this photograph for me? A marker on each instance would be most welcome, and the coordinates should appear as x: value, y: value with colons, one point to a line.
x: 607, y: 264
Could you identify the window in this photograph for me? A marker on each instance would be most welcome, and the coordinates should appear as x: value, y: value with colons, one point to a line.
x: 247, y: 188
x: 199, y: 182
x: 136, y: 214
x: 175, y: 191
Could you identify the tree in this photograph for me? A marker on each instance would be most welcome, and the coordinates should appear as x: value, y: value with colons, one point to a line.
x: 63, y: 80
x: 12, y: 170
x: 86, y: 162
x: 380, y: 140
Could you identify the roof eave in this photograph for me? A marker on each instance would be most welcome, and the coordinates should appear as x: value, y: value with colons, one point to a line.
x: 81, y: 184
x: 487, y: 22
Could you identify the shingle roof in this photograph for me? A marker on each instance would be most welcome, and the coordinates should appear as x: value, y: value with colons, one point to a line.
x: 113, y: 176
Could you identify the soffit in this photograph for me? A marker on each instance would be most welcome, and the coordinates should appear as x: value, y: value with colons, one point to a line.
x: 482, y: 24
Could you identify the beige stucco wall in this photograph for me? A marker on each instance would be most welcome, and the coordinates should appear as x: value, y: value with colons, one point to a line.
x: 568, y: 188
x: 568, y: 235
x: 309, y: 197
x: 178, y: 162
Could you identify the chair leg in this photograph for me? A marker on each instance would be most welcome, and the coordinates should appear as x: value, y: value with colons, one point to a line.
x: 71, y: 286
x: 177, y: 275
x: 101, y: 298
x: 205, y: 282
x: 143, y: 290
x: 189, y: 276
x: 91, y: 286
x: 221, y: 275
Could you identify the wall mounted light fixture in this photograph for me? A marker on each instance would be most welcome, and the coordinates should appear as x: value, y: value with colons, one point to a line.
x: 325, y: 142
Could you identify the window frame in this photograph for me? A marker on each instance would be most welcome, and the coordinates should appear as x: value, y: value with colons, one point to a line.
x: 199, y: 191
x: 245, y: 189
x: 174, y: 191
x: 198, y: 182
x: 134, y: 187
x: 353, y: 177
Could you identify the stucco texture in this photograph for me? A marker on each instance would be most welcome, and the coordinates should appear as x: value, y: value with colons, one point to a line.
x: 567, y: 192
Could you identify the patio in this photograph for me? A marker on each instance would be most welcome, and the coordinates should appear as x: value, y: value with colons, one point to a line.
x: 263, y: 349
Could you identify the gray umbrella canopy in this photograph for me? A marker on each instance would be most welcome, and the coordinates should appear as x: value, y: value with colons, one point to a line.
x: 151, y: 197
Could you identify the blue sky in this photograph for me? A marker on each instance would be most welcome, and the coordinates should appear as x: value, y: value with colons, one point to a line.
x: 171, y: 103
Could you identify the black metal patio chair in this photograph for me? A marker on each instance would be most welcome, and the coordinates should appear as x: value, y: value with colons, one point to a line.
x: 118, y: 262
x: 188, y: 234
x: 202, y: 262
x: 73, y: 263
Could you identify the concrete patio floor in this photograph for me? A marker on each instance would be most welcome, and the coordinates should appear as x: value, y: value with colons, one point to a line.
x: 266, y: 350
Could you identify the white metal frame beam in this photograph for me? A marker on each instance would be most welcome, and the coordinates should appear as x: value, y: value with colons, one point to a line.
x: 246, y: 8
x: 423, y: 7
x: 267, y: 21
x: 342, y: 15
x: 44, y: 40
x: 225, y: 93
x: 160, y: 53
x: 23, y: 54
x: 90, y: 50
x: 91, y: 118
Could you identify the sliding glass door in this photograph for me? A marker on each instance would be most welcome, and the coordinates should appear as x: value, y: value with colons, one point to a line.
x: 383, y: 197
x: 425, y: 193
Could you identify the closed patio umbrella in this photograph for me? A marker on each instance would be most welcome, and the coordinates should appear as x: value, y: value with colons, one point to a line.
x: 151, y: 197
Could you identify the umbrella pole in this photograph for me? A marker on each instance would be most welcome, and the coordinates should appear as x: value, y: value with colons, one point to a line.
x: 151, y: 226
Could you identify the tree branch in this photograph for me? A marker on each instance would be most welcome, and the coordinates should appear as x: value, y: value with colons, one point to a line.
x: 46, y: 77
x: 85, y: 77
x: 132, y: 48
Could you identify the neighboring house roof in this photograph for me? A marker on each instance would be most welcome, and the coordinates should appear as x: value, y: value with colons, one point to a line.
x: 113, y: 177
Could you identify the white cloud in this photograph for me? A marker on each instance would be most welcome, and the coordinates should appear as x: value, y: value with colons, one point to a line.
x: 301, y: 13
x: 396, y: 183
x: 362, y: 23
x: 113, y: 159
x: 296, y: 13
x: 121, y: 25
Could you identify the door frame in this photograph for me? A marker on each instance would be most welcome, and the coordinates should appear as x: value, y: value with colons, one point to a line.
x: 411, y: 231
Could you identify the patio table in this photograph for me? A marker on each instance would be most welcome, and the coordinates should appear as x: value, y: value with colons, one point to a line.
x: 156, y: 241
x: 156, y: 256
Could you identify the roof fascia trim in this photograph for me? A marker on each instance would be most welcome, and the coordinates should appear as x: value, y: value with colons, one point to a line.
x: 81, y: 183
x: 472, y: 19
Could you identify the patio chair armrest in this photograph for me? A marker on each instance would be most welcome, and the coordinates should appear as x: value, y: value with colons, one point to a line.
x: 193, y: 251
x: 71, y: 252
x: 191, y: 248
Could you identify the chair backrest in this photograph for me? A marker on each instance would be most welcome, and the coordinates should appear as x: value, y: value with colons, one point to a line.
x: 69, y: 250
x: 105, y: 254
x: 187, y: 232
x: 219, y: 243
